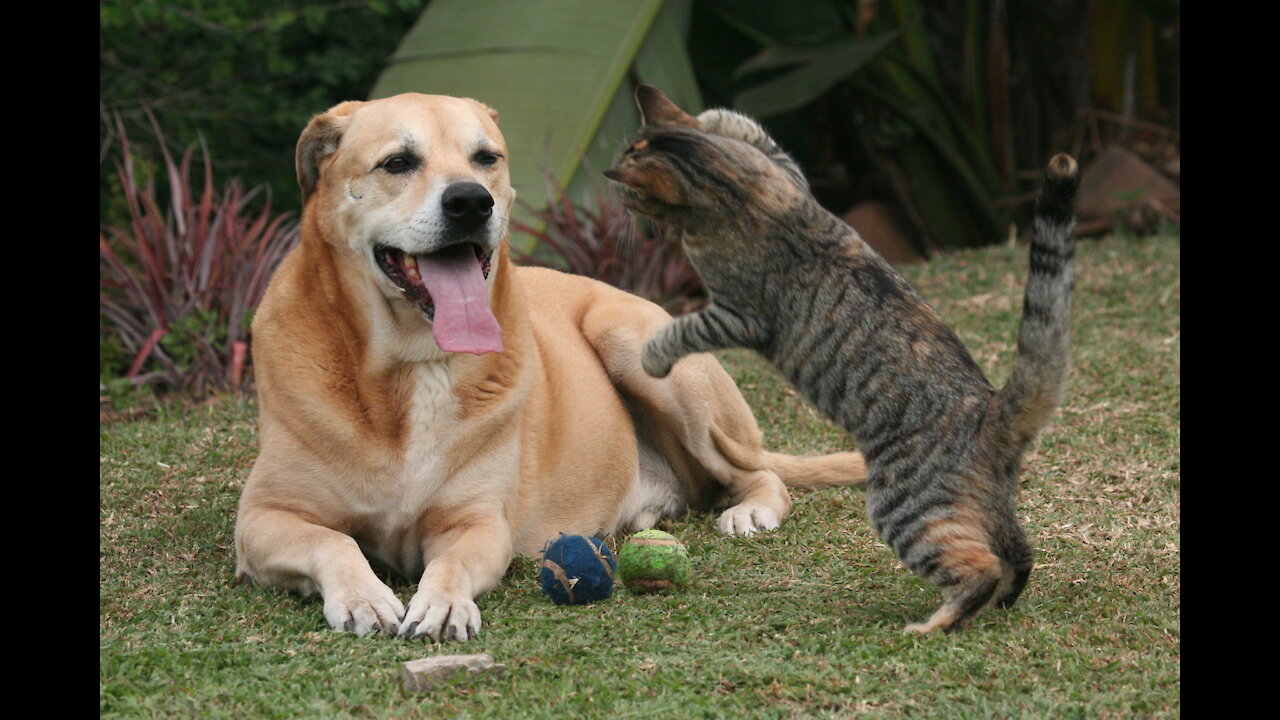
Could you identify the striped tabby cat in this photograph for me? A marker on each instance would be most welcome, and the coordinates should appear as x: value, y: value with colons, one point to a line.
x: 795, y: 283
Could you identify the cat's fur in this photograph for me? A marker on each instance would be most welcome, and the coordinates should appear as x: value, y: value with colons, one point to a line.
x: 792, y: 281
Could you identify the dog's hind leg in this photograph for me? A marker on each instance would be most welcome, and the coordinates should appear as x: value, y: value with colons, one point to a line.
x: 695, y: 417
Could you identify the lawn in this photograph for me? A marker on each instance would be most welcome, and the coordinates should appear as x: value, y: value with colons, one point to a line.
x: 802, y: 622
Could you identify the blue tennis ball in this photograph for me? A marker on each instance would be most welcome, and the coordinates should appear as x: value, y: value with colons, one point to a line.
x: 577, y: 570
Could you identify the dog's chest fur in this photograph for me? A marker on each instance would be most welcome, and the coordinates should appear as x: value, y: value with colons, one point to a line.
x: 425, y: 478
x: 431, y: 424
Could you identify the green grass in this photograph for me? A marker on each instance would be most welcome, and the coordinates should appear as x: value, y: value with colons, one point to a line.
x: 803, y: 622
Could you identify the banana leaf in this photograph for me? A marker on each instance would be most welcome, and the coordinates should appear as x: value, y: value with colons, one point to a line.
x: 769, y: 22
x: 824, y: 68
x: 557, y: 72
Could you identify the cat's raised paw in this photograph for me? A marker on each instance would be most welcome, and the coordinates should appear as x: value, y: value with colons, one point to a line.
x: 654, y: 363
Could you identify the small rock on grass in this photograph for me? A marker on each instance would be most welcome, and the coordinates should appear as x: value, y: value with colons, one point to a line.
x: 431, y: 672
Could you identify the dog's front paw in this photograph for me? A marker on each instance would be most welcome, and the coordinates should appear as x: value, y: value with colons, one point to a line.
x: 363, y: 609
x: 440, y: 617
x: 655, y: 363
x: 748, y: 519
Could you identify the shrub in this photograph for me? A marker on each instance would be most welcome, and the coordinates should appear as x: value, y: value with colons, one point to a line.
x: 178, y: 285
x: 601, y: 239
x: 245, y: 75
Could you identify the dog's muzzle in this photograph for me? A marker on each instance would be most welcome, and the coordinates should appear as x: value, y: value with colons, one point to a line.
x: 467, y: 206
x: 447, y: 284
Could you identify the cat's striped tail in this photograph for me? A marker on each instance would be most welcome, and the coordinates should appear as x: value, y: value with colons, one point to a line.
x: 1024, y: 405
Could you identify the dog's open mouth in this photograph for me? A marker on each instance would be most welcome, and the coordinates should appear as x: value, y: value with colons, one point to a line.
x: 449, y: 288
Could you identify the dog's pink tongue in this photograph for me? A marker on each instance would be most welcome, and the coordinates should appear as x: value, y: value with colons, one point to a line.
x: 463, y: 321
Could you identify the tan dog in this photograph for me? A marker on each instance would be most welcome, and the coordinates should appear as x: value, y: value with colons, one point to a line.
x: 429, y: 405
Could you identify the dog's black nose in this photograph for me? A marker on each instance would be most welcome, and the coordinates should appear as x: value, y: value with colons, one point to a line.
x: 467, y: 204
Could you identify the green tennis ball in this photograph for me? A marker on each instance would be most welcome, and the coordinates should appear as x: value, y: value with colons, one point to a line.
x: 653, y: 561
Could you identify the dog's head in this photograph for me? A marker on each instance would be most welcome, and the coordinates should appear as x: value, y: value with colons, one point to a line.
x: 417, y: 186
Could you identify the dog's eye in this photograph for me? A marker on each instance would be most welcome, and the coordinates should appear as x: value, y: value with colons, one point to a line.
x: 484, y: 158
x: 398, y: 164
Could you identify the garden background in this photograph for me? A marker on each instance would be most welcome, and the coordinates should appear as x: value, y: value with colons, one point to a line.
x: 924, y: 125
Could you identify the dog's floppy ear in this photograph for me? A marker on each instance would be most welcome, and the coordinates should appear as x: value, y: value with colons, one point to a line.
x: 319, y: 140
x: 657, y: 109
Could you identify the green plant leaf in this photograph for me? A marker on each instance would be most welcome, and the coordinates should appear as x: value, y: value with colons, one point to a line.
x: 950, y: 173
x: 773, y: 23
x: 662, y: 62
x: 775, y: 57
x: 834, y: 63
x: 946, y: 126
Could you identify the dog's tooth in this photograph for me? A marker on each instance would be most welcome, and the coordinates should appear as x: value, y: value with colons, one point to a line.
x: 413, y: 273
x: 411, y: 263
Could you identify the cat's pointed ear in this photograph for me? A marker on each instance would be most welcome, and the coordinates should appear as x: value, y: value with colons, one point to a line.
x: 657, y: 109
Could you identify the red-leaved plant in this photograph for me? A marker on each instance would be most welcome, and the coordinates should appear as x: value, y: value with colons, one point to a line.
x: 178, y: 285
x: 599, y: 238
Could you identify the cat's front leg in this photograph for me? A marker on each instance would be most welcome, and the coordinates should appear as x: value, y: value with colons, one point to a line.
x: 656, y: 362
x: 713, y: 328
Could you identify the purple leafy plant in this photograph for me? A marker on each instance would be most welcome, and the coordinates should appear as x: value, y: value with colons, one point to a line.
x: 179, y: 283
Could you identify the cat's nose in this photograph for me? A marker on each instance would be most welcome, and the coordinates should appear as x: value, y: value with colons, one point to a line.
x: 466, y: 205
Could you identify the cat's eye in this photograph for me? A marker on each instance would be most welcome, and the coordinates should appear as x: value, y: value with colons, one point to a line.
x: 399, y: 163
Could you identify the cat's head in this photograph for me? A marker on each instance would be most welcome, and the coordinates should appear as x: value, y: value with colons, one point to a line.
x: 686, y: 170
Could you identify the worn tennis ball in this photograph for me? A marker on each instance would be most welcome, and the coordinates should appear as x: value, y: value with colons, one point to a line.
x: 577, y: 570
x: 653, y: 561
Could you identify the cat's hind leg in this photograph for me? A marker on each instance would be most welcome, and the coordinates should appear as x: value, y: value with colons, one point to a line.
x: 947, y: 544
x: 1018, y: 561
x: 966, y: 598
